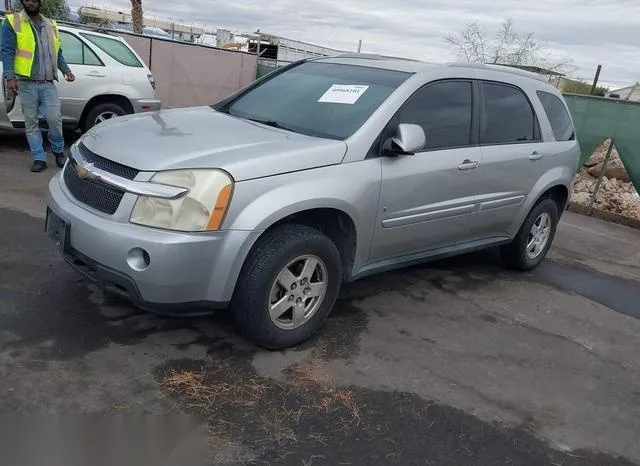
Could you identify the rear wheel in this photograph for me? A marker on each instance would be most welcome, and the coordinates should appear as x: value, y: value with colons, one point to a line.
x: 532, y: 243
x: 287, y: 287
x: 101, y: 113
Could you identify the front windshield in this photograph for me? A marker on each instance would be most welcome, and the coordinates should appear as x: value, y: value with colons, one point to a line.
x: 319, y: 99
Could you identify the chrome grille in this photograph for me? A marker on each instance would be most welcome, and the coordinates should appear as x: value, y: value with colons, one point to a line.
x: 95, y: 194
x: 107, y: 165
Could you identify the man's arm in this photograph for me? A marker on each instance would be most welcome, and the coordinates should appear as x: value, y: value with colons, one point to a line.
x: 8, y: 50
x: 62, y: 63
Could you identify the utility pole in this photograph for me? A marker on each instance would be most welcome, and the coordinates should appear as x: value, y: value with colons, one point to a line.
x: 595, y: 80
x: 359, y: 45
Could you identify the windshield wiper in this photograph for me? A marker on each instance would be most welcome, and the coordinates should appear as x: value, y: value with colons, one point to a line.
x: 273, y: 124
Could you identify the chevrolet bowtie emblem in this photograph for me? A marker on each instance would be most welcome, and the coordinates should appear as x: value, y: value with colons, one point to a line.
x: 83, y: 170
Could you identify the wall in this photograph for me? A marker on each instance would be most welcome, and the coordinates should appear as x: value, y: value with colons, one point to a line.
x: 191, y: 75
x: 294, y: 50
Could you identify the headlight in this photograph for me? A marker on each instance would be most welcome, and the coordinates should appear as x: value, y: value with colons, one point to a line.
x: 202, y: 208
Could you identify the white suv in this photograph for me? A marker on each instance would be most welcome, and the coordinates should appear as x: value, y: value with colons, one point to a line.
x: 111, y: 80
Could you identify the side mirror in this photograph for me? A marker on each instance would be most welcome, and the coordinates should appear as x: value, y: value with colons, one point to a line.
x: 409, y: 139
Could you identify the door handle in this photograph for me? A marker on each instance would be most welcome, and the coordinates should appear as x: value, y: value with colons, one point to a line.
x: 468, y: 165
x: 95, y: 74
x: 535, y: 155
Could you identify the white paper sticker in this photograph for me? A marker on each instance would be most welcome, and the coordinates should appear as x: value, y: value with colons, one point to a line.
x: 343, y: 94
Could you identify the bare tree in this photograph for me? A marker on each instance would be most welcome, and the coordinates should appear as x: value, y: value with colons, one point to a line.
x: 506, y: 47
x: 137, y: 16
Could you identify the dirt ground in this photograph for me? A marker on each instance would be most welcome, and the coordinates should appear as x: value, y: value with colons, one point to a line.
x: 457, y: 362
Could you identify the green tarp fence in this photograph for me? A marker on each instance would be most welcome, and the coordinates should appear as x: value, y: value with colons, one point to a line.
x: 597, y: 119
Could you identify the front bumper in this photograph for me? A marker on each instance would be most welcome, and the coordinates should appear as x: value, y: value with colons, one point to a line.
x: 186, y: 273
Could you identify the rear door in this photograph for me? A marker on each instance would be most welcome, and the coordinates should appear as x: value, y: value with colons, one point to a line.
x: 513, y: 158
x: 90, y: 72
x: 426, y: 198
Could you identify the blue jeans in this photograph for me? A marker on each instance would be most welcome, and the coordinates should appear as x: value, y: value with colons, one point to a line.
x: 41, y: 99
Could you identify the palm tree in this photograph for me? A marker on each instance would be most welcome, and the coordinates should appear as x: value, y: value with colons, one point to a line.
x: 136, y: 16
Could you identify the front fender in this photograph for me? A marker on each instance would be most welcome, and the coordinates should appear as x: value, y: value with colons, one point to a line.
x: 352, y: 188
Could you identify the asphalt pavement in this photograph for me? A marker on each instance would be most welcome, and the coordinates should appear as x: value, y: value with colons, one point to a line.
x: 458, y: 362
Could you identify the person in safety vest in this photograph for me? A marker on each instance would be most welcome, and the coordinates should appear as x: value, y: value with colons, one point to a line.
x: 31, y: 56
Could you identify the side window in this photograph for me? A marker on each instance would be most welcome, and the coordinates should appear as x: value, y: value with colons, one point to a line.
x: 507, y: 117
x: 558, y: 116
x: 115, y: 48
x: 77, y: 53
x: 444, y: 111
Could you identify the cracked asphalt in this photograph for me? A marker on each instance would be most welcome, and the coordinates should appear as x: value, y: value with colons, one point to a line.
x: 455, y: 362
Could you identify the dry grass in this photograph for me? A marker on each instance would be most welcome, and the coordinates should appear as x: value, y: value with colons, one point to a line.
x: 311, y: 460
x: 326, y: 404
x: 318, y: 438
x: 309, y: 372
x: 351, y: 405
x: 191, y: 385
x: 272, y: 411
x: 202, y: 390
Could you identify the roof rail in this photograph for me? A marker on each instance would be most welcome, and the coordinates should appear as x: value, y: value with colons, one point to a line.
x: 86, y: 27
x: 500, y: 68
x: 366, y: 56
x: 372, y: 56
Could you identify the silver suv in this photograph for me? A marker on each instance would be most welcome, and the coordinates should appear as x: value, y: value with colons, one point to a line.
x: 320, y: 173
x: 111, y: 81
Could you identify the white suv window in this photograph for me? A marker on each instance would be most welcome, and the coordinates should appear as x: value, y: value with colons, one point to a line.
x: 77, y: 53
x: 115, y: 48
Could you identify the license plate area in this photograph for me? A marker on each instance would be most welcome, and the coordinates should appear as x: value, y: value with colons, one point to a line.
x: 58, y: 230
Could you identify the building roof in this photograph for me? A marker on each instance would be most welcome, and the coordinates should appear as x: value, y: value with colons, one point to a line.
x: 635, y: 86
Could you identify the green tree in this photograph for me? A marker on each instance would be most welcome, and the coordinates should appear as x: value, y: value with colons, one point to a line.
x: 581, y: 87
x: 54, y: 9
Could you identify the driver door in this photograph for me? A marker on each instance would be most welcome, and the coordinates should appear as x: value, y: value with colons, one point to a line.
x: 426, y: 199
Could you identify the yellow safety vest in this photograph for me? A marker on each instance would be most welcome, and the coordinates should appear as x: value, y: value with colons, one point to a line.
x: 26, y: 43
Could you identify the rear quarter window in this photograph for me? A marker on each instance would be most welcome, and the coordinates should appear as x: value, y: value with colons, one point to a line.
x: 116, y: 49
x: 508, y: 117
x: 558, y: 116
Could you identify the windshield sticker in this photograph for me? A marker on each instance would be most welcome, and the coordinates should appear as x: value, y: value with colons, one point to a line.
x: 343, y: 94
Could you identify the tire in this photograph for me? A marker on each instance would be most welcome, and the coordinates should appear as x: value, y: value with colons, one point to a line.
x: 258, y: 287
x: 516, y: 255
x: 101, y: 109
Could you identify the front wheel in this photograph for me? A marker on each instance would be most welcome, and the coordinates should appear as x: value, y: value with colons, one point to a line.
x: 287, y: 287
x: 531, y: 244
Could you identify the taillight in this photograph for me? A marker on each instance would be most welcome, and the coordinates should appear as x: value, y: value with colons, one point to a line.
x: 152, y: 81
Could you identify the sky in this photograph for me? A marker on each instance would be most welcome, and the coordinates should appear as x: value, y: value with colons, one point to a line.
x: 590, y: 32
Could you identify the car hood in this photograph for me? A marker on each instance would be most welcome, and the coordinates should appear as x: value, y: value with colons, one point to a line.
x: 200, y: 137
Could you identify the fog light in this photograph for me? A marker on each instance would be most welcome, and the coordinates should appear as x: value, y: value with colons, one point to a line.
x: 138, y: 259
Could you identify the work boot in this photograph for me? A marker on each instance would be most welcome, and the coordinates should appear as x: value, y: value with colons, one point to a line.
x: 38, y: 166
x: 60, y: 159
